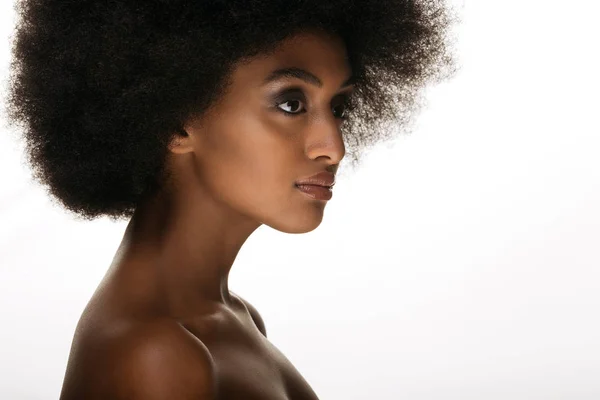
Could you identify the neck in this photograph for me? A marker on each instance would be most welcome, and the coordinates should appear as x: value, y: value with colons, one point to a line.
x: 184, y: 244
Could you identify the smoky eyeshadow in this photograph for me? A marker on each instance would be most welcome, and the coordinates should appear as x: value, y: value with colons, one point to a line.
x: 287, y: 94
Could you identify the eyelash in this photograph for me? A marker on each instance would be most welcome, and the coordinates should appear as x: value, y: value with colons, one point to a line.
x: 347, y: 107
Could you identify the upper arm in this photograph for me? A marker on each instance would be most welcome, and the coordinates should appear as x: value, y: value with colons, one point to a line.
x: 260, y: 324
x: 160, y: 362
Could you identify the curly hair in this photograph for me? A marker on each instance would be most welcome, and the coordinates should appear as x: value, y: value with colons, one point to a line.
x: 101, y: 88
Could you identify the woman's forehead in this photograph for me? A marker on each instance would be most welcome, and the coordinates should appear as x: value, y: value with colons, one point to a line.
x: 310, y: 57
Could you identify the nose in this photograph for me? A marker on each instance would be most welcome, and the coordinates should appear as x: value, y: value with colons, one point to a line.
x: 326, y: 140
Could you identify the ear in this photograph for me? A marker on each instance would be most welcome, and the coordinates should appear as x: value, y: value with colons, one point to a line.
x: 181, y: 143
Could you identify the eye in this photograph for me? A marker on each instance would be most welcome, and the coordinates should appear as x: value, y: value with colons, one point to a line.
x: 292, y: 104
x: 345, y: 106
x: 292, y: 107
x: 340, y: 114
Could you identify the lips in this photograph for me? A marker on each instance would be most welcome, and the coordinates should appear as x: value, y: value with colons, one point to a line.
x: 325, y: 179
x: 316, y: 191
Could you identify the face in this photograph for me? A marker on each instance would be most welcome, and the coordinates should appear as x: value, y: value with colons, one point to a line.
x: 265, y: 134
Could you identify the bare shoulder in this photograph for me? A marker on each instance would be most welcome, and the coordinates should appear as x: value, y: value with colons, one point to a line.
x: 260, y: 324
x: 150, y: 360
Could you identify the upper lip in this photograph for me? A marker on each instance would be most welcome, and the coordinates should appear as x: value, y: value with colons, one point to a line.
x: 321, y: 179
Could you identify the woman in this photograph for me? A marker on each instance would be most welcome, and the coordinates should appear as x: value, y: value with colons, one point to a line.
x: 199, y: 121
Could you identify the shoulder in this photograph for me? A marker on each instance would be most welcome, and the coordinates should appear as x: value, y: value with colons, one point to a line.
x: 156, y: 360
x: 260, y: 324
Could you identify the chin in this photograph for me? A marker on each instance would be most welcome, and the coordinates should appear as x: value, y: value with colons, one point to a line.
x: 300, y: 223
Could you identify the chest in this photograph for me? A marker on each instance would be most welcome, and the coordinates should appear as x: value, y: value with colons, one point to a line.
x: 249, y: 366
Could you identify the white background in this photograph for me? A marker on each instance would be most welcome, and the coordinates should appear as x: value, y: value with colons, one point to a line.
x: 462, y: 263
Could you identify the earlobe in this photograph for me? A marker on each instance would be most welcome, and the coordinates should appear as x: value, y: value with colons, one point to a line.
x: 181, y: 143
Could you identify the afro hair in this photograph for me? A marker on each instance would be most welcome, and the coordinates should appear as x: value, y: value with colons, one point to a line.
x: 100, y: 88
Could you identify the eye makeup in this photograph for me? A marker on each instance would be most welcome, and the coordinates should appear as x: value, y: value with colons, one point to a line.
x: 295, y: 95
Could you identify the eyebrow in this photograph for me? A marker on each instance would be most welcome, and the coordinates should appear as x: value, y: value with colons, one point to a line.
x: 299, y: 73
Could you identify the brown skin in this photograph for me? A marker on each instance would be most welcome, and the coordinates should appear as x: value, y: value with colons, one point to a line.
x: 163, y: 323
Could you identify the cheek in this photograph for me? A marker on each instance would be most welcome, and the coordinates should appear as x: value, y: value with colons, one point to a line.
x: 251, y: 164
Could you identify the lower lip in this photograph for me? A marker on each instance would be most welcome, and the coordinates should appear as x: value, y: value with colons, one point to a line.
x: 316, y: 192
